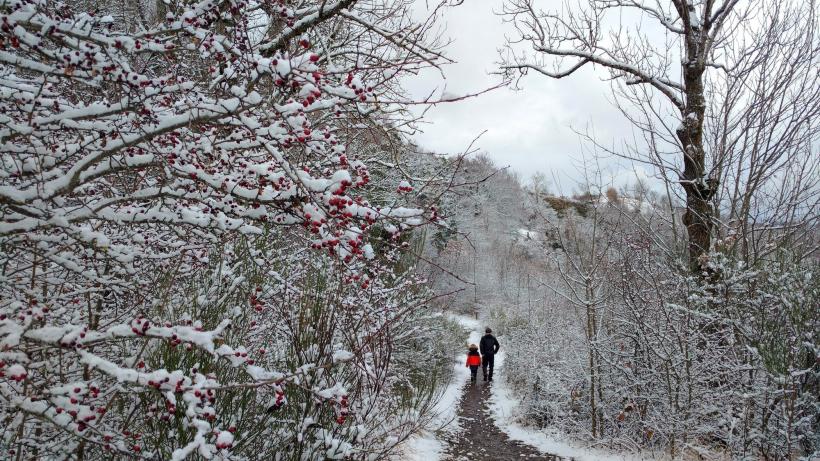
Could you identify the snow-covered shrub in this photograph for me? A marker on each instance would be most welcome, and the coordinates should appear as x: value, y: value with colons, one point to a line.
x: 727, y: 362
x: 768, y: 316
x: 175, y: 185
x: 544, y: 364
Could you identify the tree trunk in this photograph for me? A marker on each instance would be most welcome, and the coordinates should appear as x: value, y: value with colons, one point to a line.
x: 699, y: 188
x: 592, y: 367
x: 592, y: 408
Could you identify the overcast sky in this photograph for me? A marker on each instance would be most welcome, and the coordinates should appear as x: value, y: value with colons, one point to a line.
x: 528, y: 130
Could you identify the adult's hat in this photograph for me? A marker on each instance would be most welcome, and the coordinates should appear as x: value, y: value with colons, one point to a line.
x: 488, y: 330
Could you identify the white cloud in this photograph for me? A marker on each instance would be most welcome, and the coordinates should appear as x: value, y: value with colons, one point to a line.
x: 530, y: 130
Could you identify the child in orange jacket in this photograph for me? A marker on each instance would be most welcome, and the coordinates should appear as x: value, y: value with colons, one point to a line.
x: 473, y: 361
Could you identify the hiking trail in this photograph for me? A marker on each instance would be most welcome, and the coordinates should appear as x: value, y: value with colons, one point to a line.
x: 479, y: 438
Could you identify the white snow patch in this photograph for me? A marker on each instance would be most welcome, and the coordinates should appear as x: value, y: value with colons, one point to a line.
x: 528, y: 234
x: 342, y: 356
x: 424, y: 447
x: 224, y: 440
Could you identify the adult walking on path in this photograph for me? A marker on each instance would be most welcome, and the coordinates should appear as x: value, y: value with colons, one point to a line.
x: 489, y: 347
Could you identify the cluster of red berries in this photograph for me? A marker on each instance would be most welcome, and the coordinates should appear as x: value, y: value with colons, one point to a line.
x: 243, y: 355
x: 404, y: 188
x: 77, y: 398
x: 280, y: 399
x: 343, y: 410
x: 257, y: 305
x: 361, y: 92
x: 310, y: 99
x: 313, y: 224
x: 170, y: 410
x: 140, y: 325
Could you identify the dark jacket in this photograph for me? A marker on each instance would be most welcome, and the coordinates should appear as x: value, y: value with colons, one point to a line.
x: 489, y: 345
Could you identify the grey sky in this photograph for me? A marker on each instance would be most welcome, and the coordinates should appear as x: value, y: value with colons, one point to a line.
x: 529, y: 130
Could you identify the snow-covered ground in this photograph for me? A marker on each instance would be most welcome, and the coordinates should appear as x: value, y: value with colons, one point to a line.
x: 426, y: 446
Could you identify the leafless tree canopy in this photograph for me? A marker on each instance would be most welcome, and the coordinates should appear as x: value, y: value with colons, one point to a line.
x: 725, y: 94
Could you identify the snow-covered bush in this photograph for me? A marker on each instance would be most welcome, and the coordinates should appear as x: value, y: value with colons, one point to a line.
x: 176, y: 195
x: 545, y: 363
x: 766, y: 319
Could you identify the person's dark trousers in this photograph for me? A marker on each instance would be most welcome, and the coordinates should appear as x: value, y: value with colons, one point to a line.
x: 487, y: 361
x: 473, y: 372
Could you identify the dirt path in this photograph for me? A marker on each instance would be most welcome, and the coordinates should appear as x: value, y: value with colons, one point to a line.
x: 479, y: 439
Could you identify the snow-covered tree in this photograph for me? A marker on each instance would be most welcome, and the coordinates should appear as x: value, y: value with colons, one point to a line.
x: 176, y: 190
x: 722, y: 93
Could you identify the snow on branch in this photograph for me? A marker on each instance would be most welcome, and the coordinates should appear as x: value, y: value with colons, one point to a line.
x: 175, y: 180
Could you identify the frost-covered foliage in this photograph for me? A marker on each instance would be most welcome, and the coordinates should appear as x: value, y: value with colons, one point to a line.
x: 639, y: 353
x: 762, y: 324
x: 482, y: 252
x: 194, y: 261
